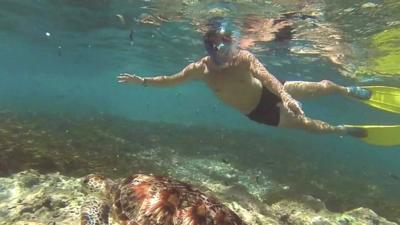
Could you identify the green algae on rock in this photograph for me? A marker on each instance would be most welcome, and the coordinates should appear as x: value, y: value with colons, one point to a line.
x: 385, y: 56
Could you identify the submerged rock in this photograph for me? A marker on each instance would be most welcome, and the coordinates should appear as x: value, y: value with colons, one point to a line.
x: 369, y: 5
x: 296, y: 213
x: 50, y: 198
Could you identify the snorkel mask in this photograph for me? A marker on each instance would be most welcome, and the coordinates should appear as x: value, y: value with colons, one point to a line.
x: 220, y: 41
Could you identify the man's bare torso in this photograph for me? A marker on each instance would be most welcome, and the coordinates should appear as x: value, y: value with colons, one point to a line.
x: 233, y: 84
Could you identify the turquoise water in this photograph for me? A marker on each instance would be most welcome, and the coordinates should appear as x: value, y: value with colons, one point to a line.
x: 61, y: 58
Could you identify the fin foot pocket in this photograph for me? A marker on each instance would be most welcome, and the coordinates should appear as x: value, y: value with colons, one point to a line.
x: 359, y: 92
x: 382, y: 135
x: 357, y: 132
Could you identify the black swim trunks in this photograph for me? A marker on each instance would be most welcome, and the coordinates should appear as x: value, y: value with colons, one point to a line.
x: 267, y: 110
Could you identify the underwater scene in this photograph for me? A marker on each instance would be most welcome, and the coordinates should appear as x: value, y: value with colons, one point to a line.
x: 150, y: 112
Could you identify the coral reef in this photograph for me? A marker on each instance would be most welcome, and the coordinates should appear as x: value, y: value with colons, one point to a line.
x: 31, y: 198
x: 233, y: 165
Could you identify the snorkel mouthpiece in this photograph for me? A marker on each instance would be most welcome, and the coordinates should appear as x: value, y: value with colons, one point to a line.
x: 212, y: 51
x: 220, y: 46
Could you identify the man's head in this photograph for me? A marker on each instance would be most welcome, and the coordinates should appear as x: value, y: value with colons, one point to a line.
x: 221, y: 40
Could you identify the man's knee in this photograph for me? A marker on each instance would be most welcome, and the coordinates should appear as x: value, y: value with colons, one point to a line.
x: 327, y: 83
x: 291, y: 121
x: 291, y: 86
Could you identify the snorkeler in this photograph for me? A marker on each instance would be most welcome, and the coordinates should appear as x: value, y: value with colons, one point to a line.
x: 240, y: 80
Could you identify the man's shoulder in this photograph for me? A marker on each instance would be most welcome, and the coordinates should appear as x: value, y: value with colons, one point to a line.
x: 197, y: 68
x: 245, y: 55
x: 203, y: 61
x: 198, y: 63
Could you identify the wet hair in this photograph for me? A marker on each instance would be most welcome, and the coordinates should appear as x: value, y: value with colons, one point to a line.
x: 217, y: 26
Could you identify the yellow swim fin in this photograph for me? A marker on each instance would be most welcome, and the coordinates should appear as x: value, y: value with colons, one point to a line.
x: 376, y: 134
x: 383, y: 97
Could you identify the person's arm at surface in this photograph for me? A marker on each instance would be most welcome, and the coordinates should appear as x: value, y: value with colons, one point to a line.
x: 191, y: 71
x: 272, y: 83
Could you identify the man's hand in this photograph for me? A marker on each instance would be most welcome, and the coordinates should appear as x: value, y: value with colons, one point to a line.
x: 129, y: 78
x: 293, y: 106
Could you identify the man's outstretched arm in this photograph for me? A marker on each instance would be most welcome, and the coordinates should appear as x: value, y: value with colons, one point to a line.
x: 190, y: 72
x: 272, y: 83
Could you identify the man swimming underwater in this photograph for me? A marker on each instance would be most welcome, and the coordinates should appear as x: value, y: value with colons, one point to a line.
x: 240, y: 80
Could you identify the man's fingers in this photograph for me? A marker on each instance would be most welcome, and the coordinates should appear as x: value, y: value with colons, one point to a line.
x: 124, y: 75
x: 123, y: 78
x: 129, y: 78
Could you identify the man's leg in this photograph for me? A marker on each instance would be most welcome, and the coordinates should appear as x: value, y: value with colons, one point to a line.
x: 305, y: 89
x: 289, y: 120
